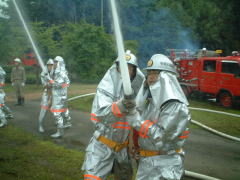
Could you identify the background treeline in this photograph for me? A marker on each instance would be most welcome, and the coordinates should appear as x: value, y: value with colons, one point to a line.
x: 81, y: 30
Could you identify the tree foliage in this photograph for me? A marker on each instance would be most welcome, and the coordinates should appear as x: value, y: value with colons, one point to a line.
x: 71, y: 28
x: 90, y: 49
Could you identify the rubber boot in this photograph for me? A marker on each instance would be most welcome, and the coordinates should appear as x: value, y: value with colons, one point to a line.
x: 40, y: 120
x: 58, y: 134
x: 41, y: 130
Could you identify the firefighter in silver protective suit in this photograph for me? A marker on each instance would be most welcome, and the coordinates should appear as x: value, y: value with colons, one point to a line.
x: 47, y: 93
x: 60, y: 82
x: 5, y: 112
x: 107, y: 151
x: 161, y: 119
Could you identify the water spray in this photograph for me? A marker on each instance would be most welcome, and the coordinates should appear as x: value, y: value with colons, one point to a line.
x: 121, y: 54
x: 40, y: 61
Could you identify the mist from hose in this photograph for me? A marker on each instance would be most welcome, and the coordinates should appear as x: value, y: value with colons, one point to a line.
x: 29, y: 36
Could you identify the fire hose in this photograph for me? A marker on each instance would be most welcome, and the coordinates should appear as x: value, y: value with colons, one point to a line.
x: 213, y: 130
x: 121, y: 54
x: 199, y: 176
x: 84, y: 95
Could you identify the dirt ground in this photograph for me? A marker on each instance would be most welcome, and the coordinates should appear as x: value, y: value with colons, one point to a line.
x: 206, y: 153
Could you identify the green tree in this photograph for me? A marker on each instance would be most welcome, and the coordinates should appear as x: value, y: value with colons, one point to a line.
x: 89, y: 51
x: 13, y: 41
x: 150, y: 25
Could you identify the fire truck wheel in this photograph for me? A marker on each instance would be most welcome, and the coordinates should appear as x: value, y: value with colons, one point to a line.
x: 225, y: 99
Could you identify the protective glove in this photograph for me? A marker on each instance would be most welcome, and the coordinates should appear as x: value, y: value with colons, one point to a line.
x: 126, y: 105
x: 50, y: 80
x: 23, y: 84
x: 129, y: 103
x: 47, y: 86
x: 133, y: 118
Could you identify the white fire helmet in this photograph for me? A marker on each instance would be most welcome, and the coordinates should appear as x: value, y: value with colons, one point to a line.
x: 161, y: 62
x: 130, y: 58
x: 59, y: 59
x: 50, y: 61
x: 17, y: 60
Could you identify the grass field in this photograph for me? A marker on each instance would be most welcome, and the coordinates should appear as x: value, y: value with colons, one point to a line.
x: 25, y: 157
x: 74, y: 89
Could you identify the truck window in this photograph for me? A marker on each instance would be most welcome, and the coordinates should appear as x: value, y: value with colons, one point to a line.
x: 231, y: 68
x: 209, y: 66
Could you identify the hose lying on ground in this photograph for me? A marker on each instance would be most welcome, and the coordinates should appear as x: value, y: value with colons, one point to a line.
x: 219, y: 112
x: 199, y: 176
x: 213, y: 130
x: 84, y: 95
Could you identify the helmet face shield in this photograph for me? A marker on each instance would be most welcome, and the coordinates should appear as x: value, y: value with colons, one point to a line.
x: 50, y: 64
x: 152, y: 76
x: 153, y: 72
x: 132, y: 69
x: 55, y: 64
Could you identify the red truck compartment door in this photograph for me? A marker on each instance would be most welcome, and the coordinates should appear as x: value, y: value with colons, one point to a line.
x: 208, y: 77
x: 229, y: 77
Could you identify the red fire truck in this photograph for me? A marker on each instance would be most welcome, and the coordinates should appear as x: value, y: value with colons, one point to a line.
x: 29, y: 59
x: 206, y: 73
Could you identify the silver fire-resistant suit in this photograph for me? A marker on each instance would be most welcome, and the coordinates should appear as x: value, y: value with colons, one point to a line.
x: 5, y: 112
x: 60, y: 82
x: 161, y: 124
x: 46, y: 96
x: 107, y: 151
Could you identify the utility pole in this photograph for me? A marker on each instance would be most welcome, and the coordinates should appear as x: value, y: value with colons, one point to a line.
x: 101, y: 13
